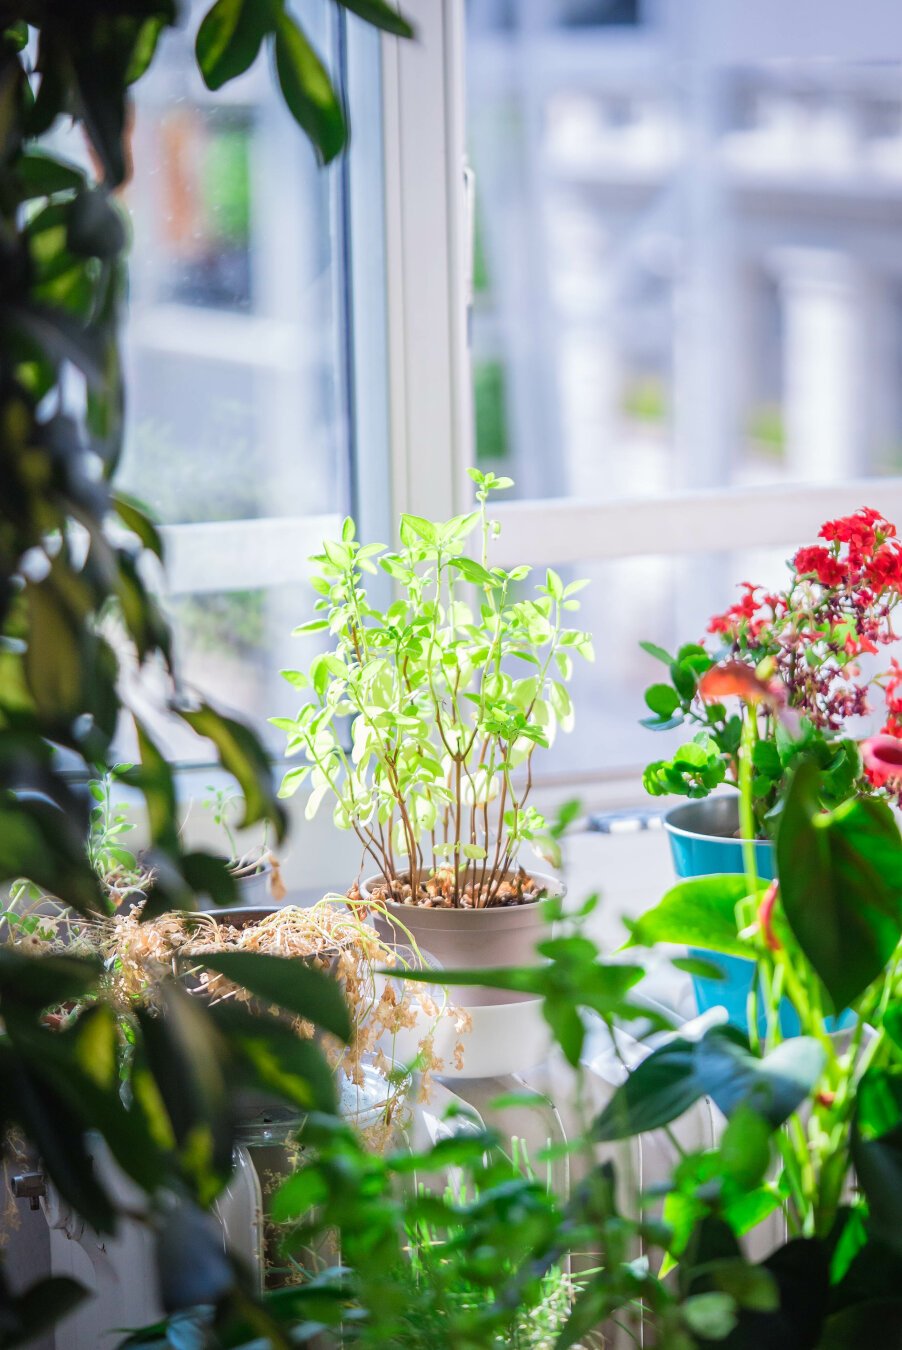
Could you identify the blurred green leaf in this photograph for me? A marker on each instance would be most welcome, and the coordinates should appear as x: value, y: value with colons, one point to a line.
x: 230, y: 36
x: 308, y: 91
x: 381, y: 15
x: 243, y: 756
x: 290, y: 984
x: 840, y: 884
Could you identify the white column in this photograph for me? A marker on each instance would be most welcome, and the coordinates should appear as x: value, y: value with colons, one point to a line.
x: 825, y: 364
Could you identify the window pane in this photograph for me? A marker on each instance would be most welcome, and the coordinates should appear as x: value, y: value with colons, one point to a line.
x: 686, y: 270
x: 230, y: 647
x: 236, y: 386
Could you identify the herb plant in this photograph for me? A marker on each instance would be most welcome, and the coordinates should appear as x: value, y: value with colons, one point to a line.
x: 811, y: 637
x: 449, y: 691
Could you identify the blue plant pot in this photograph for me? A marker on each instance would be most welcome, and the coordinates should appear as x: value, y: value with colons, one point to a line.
x: 703, y: 841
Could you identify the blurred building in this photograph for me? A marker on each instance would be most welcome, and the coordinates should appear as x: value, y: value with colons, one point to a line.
x: 690, y: 269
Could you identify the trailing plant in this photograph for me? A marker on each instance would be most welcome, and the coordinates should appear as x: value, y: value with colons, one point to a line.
x: 74, y: 609
x: 448, y: 701
x: 226, y: 806
x: 121, y: 871
x: 838, y: 608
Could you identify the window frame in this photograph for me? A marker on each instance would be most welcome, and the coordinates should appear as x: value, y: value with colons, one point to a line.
x: 430, y: 241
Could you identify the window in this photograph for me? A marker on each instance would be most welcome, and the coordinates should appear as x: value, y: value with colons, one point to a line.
x: 240, y: 352
x: 687, y: 312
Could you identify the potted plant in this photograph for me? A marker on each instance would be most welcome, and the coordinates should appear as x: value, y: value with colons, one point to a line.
x: 256, y: 870
x: 448, y: 692
x: 793, y: 657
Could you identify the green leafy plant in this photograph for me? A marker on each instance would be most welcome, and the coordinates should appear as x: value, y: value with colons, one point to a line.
x: 120, y: 870
x: 809, y: 638
x: 74, y: 609
x: 448, y: 701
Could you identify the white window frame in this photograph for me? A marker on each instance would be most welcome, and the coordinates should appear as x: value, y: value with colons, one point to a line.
x: 431, y: 419
x: 421, y: 399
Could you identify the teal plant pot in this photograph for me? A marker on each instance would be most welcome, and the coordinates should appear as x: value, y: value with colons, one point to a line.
x: 703, y: 842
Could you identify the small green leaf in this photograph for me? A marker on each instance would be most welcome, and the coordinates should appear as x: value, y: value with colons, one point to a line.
x: 657, y: 652
x: 662, y: 699
x: 243, y: 756
x: 711, y: 1315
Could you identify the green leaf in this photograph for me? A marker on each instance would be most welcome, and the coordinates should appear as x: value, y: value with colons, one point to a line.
x: 243, y: 756
x: 473, y: 571
x: 662, y: 699
x: 872, y: 1325
x: 291, y: 984
x: 766, y: 759
x: 41, y: 174
x: 189, y: 1060
x: 230, y: 36
x: 657, y: 652
x: 136, y: 519
x: 660, y: 1089
x: 36, y: 982
x: 145, y: 47
x: 209, y: 875
x: 698, y: 912
x: 382, y: 15
x: 39, y: 1308
x: 154, y: 778
x: 95, y: 229
x: 772, y: 1087
x: 745, y: 1148
x: 840, y: 884
x: 418, y: 527
x: 275, y: 1059
x: 698, y: 968
x: 308, y: 90
x: 711, y: 1315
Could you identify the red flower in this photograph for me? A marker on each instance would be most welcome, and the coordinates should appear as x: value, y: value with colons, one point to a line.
x: 819, y: 562
x: 882, y: 756
x: 885, y: 568
x: 745, y: 612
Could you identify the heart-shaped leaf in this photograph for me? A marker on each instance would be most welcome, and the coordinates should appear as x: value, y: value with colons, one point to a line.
x: 841, y: 885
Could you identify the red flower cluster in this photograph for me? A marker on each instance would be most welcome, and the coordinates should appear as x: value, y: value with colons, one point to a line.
x: 748, y: 614
x: 837, y: 607
x: 819, y: 562
x: 865, y: 555
x: 891, y: 688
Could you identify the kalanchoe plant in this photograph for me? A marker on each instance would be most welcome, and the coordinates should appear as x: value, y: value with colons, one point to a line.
x: 838, y: 607
x: 450, y: 690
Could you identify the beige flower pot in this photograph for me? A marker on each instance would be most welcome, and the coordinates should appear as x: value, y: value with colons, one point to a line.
x: 470, y: 939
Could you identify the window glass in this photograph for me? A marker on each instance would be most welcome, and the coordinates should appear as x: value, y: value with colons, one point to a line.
x: 687, y: 264
x: 236, y: 394
x: 240, y: 428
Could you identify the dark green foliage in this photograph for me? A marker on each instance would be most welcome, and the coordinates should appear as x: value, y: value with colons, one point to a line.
x: 70, y: 564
